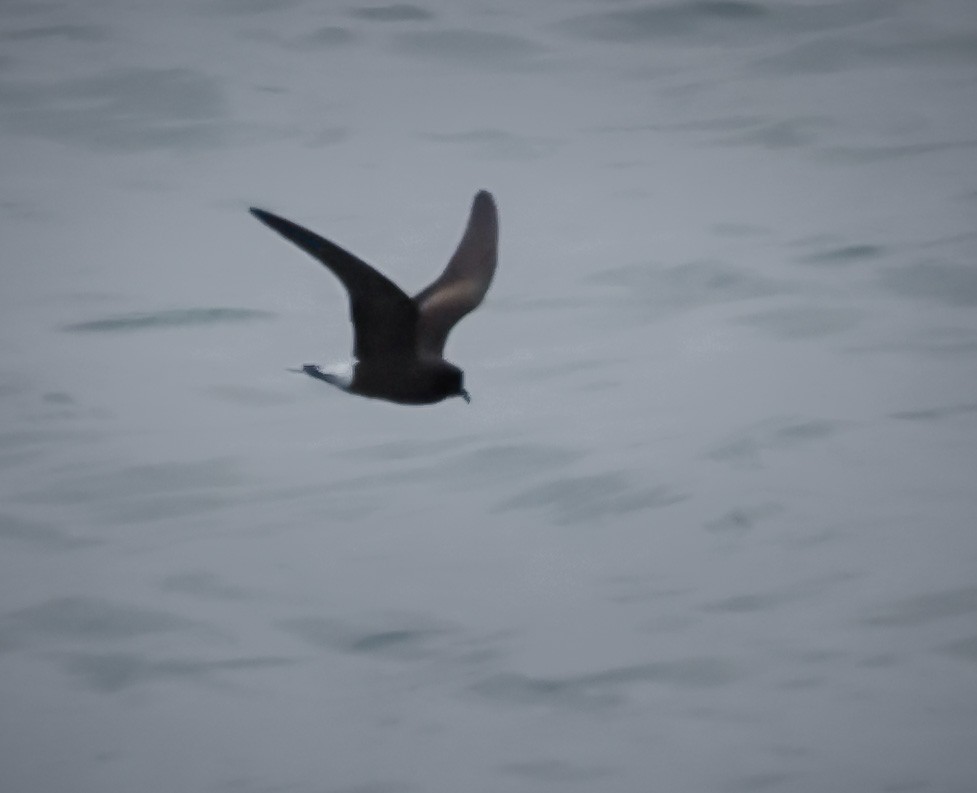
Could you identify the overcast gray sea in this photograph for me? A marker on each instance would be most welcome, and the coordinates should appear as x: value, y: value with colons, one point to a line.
x: 710, y: 521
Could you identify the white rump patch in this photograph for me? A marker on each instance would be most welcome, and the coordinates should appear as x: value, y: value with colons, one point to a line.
x: 342, y: 371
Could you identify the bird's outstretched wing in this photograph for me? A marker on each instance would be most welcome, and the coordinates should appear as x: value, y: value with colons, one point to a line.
x: 464, y: 282
x: 384, y: 317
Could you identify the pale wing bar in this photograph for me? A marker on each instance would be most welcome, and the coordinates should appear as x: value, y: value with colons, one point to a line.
x: 464, y: 282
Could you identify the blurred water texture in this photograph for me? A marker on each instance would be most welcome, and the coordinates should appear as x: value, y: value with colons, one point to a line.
x: 708, y: 523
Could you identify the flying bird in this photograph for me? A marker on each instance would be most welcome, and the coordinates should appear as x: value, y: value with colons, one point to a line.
x: 398, y: 341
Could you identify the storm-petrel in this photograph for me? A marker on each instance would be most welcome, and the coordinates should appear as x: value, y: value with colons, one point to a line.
x: 398, y: 341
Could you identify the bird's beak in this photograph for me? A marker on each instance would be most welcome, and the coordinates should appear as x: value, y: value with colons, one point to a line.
x: 466, y: 396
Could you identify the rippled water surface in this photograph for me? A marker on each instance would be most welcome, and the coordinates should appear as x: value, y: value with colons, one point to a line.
x: 709, y: 521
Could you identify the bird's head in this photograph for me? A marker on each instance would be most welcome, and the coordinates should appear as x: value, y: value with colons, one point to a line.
x: 453, y: 382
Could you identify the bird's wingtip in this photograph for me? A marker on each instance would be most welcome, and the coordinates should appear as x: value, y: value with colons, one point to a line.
x: 483, y: 205
x: 270, y: 219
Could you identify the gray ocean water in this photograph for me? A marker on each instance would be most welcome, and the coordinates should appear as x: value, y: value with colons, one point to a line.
x: 710, y: 521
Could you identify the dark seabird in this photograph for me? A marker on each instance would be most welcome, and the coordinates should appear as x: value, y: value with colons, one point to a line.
x: 398, y: 341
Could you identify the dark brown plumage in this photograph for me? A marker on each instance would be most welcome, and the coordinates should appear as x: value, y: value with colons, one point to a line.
x: 398, y: 341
